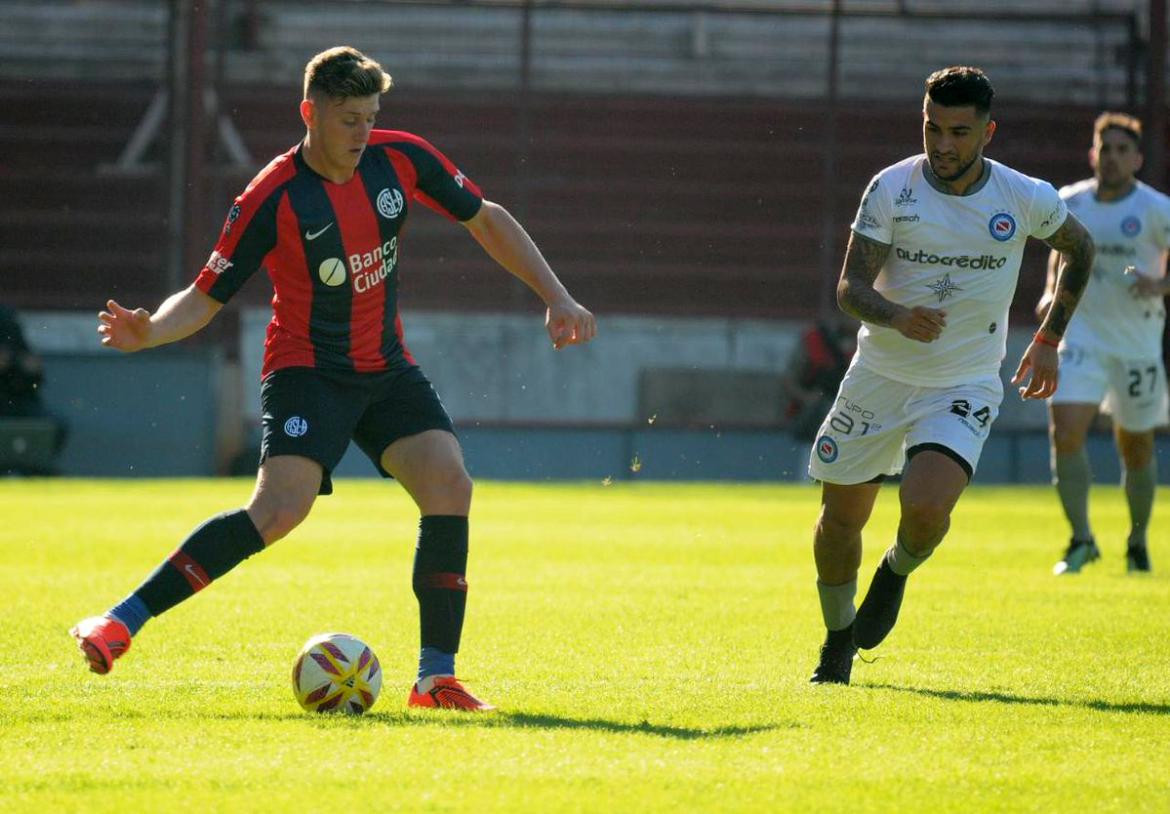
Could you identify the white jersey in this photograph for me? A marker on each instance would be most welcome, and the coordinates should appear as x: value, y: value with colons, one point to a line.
x: 1131, y: 231
x: 960, y: 253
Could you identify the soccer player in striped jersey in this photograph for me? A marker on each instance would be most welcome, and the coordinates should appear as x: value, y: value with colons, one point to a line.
x: 930, y: 271
x: 1111, y: 354
x: 325, y: 219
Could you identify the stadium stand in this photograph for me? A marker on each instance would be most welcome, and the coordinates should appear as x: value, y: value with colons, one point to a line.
x: 668, y: 162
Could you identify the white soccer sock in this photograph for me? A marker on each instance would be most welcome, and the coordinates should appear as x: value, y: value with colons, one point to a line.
x: 837, y: 604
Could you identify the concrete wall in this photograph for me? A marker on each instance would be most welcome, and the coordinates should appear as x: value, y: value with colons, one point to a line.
x: 501, y: 367
x: 523, y: 411
x: 144, y: 415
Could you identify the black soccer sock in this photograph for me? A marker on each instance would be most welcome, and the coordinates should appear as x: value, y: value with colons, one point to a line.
x: 213, y: 549
x: 440, y: 565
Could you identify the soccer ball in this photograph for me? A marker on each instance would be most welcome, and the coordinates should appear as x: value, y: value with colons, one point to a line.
x: 336, y: 672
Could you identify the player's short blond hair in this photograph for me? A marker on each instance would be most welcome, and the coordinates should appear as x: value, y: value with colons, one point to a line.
x: 344, y: 73
x: 1130, y: 125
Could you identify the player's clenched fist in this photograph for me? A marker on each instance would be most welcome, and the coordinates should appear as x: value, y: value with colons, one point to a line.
x: 124, y: 329
x: 920, y: 323
x: 569, y: 324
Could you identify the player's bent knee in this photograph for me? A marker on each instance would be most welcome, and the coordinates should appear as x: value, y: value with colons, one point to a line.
x: 1137, y: 452
x: 276, y: 520
x: 925, y: 515
x: 453, y: 489
x: 1067, y: 442
x: 839, y: 527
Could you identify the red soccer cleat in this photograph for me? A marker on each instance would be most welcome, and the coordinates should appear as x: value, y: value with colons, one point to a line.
x: 446, y: 693
x: 102, y: 640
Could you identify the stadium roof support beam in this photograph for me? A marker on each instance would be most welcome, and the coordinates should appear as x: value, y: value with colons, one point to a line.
x: 187, y: 190
x: 1155, y: 114
x: 827, y: 299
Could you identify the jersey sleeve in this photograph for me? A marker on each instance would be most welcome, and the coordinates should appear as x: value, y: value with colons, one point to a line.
x: 248, y: 235
x: 1048, y: 212
x: 874, y: 218
x: 1162, y: 227
x: 439, y: 184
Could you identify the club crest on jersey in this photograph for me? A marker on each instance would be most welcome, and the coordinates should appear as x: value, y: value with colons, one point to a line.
x: 295, y: 427
x: 390, y: 203
x: 1002, y: 226
x: 1131, y: 226
x: 905, y: 197
x: 827, y: 449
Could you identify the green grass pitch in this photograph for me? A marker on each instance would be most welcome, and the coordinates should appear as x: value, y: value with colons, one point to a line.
x: 648, y: 644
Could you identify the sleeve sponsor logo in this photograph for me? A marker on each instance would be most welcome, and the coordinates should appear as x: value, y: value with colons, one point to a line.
x: 1055, y: 215
x: 217, y: 263
x: 867, y: 221
x: 1002, y: 226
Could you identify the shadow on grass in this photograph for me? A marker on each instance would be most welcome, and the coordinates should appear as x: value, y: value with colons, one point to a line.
x: 525, y: 720
x: 508, y: 720
x: 1009, y: 698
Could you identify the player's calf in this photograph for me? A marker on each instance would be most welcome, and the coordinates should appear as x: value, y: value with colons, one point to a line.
x: 879, y: 610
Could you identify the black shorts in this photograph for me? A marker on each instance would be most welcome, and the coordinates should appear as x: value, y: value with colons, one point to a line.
x: 315, y: 413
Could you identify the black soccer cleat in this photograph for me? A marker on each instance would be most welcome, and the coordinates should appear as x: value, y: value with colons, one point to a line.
x: 879, y: 610
x: 1137, y: 558
x: 1078, y: 554
x: 836, y: 658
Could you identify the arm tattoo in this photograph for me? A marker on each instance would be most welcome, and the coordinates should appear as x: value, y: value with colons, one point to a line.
x: 855, y: 292
x: 1076, y: 264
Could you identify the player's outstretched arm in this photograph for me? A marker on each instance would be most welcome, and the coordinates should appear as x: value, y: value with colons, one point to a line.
x: 1075, y: 248
x: 180, y: 315
x: 504, y: 239
x: 857, y: 297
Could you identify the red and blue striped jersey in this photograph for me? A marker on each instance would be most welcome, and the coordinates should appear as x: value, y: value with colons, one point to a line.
x: 331, y: 250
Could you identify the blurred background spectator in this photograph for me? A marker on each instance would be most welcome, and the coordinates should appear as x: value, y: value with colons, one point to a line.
x: 26, y: 446
x: 814, y: 372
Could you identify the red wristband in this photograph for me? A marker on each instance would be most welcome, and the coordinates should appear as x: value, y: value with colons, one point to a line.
x: 1043, y: 341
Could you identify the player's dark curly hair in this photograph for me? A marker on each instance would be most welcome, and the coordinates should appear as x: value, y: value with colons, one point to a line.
x: 961, y: 86
x: 344, y: 73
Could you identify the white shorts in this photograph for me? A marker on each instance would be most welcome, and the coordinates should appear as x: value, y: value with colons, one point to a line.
x: 1132, y: 390
x: 876, y: 420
